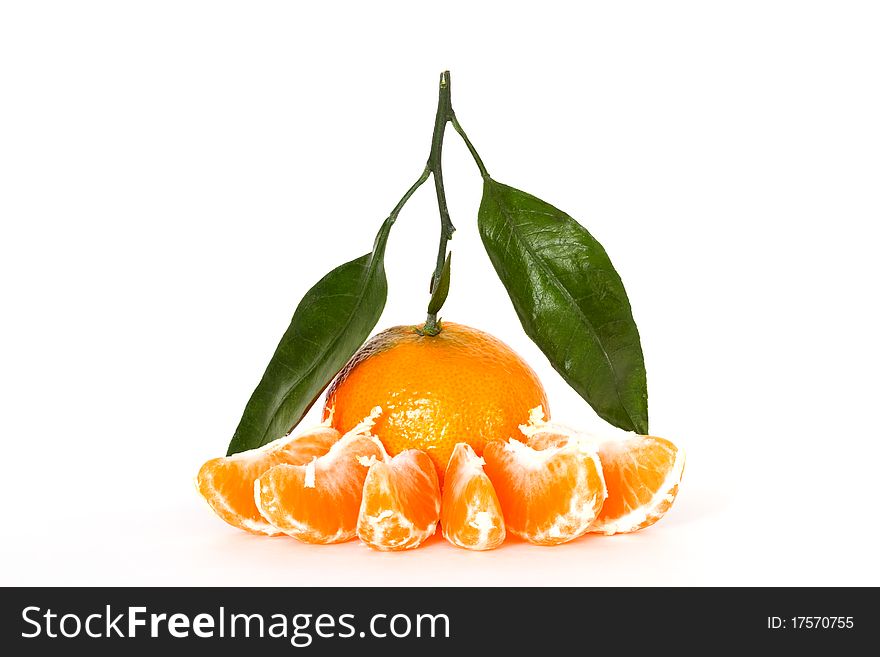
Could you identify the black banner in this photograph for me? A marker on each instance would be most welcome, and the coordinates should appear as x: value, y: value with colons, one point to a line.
x: 428, y: 621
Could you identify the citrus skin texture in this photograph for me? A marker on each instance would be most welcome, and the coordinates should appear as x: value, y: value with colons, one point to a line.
x: 461, y: 385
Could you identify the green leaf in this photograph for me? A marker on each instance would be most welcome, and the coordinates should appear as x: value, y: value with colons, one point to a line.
x: 439, y: 294
x: 570, y: 300
x: 332, y: 321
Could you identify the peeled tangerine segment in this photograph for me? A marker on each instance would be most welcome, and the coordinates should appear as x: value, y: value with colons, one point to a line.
x: 227, y: 483
x: 470, y: 513
x: 550, y: 485
x: 401, y: 503
x: 642, y: 474
x: 318, y: 502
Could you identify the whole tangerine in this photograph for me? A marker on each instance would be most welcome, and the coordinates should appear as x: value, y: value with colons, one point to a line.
x: 460, y: 385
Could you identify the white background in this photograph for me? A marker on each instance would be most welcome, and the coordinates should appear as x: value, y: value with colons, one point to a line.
x: 175, y: 175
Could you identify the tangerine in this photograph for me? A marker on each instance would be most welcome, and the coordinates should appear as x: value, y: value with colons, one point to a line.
x: 401, y: 502
x: 642, y: 474
x: 461, y: 385
x: 550, y: 484
x: 227, y: 483
x: 318, y: 502
x: 470, y: 513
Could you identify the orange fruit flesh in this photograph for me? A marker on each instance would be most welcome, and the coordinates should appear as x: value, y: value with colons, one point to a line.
x: 318, y: 502
x: 435, y: 390
x: 401, y: 502
x: 550, y: 488
x: 642, y: 474
x: 470, y: 513
x: 227, y: 483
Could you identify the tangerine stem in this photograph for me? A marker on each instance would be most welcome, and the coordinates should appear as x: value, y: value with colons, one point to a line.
x: 470, y: 146
x: 444, y: 116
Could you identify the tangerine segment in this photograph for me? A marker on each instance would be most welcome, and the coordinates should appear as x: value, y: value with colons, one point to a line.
x: 318, y: 502
x: 642, y: 474
x: 551, y: 487
x: 435, y: 389
x: 227, y: 483
x: 401, y: 503
x: 470, y: 513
